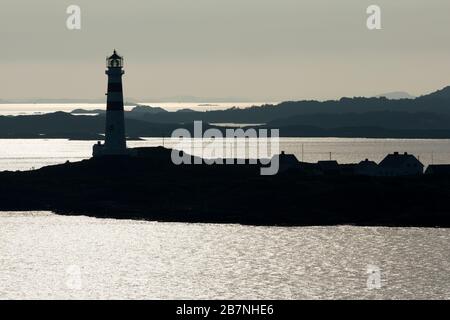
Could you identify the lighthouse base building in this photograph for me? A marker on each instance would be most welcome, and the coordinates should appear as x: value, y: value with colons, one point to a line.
x: 115, y: 140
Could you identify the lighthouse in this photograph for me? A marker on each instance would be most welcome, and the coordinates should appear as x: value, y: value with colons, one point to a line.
x: 115, y: 142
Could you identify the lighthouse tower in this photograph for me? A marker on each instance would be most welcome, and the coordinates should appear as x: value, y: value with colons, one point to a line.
x: 115, y: 142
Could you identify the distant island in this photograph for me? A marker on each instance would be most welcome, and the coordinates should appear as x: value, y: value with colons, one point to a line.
x: 427, y: 116
x: 396, y: 95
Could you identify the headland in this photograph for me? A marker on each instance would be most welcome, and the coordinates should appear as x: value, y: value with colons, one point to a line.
x: 149, y: 186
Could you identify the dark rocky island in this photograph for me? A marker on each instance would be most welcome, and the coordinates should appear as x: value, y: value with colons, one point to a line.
x: 148, y: 186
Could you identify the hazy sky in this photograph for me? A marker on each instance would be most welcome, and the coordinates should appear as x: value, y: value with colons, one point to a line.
x: 254, y: 49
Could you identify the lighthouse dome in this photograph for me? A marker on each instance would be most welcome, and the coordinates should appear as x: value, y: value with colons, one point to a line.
x: 114, y: 61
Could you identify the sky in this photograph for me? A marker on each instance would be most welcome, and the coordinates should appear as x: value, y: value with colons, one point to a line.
x: 257, y: 50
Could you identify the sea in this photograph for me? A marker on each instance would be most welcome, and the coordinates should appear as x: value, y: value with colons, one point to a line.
x: 47, y: 256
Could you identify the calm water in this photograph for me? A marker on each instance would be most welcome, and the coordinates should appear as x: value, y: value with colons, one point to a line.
x: 24, y: 154
x: 47, y: 256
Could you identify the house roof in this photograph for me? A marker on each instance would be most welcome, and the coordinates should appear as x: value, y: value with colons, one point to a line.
x: 288, y: 158
x: 328, y: 165
x: 397, y: 160
x: 367, y: 163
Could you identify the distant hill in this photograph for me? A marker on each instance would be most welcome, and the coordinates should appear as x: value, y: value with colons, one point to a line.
x: 386, y: 119
x: 84, y: 111
x: 359, y: 116
x: 81, y: 127
x: 427, y: 116
x: 148, y: 109
x: 139, y: 109
x: 396, y: 95
x: 267, y: 113
x: 443, y: 94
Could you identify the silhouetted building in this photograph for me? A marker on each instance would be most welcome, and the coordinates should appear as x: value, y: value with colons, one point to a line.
x: 397, y: 164
x: 367, y: 168
x: 328, y: 167
x: 438, y: 169
x: 288, y: 161
x: 115, y: 141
